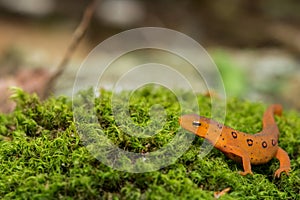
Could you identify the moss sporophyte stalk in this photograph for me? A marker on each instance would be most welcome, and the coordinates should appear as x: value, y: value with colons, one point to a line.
x: 43, y: 157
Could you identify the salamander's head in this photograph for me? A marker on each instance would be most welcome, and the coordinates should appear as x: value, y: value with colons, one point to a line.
x: 195, y: 123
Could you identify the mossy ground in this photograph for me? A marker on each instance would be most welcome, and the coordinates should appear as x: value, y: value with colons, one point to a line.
x: 42, y: 156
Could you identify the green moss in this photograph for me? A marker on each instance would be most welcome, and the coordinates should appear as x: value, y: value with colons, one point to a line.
x: 45, y: 158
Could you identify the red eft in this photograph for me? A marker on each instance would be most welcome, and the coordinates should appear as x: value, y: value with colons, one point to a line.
x: 241, y: 147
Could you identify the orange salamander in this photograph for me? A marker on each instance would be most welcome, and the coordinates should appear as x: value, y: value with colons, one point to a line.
x: 241, y: 147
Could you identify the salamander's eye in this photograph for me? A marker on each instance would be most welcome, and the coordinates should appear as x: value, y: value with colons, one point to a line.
x: 196, y: 123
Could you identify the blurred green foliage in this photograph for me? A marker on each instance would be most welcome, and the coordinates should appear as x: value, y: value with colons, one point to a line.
x: 234, y: 77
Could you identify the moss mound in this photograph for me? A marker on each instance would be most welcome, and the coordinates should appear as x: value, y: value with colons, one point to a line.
x: 42, y: 156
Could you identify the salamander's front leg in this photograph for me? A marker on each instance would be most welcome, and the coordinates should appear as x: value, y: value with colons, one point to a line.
x: 244, y: 156
x: 284, y: 160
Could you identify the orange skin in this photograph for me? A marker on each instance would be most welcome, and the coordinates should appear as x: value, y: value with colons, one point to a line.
x: 241, y: 147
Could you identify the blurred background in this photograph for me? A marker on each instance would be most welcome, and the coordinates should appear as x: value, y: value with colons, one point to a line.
x: 255, y: 43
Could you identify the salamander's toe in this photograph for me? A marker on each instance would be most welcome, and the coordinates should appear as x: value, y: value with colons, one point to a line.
x: 280, y: 170
x: 245, y: 173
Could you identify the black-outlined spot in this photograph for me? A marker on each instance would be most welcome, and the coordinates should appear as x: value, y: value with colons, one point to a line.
x: 250, y: 142
x: 264, y: 144
x: 234, y: 134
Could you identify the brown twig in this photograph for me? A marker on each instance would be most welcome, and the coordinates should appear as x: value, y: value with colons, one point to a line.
x: 76, y: 38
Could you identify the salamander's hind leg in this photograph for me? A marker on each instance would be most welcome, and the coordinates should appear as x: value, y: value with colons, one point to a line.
x: 285, y: 165
x: 244, y: 156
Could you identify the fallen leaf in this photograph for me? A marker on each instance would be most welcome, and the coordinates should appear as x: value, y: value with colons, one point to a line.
x: 221, y: 193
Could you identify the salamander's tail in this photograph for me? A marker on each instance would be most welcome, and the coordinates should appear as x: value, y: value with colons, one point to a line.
x: 268, y: 119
